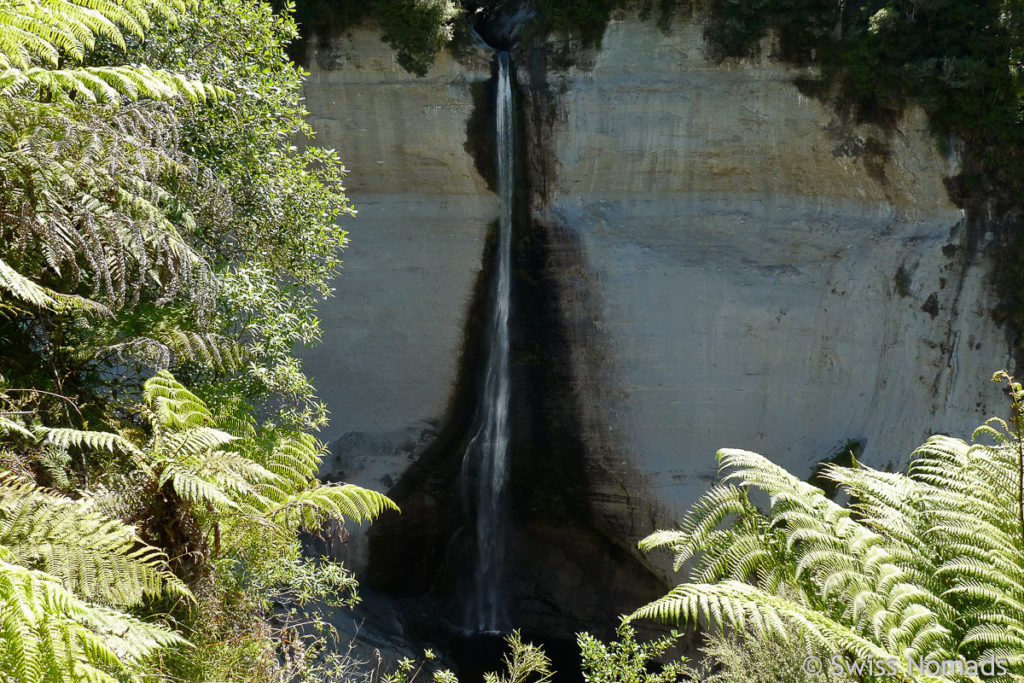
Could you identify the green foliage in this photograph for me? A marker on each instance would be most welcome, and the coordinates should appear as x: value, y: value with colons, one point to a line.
x: 160, y: 216
x: 273, y: 235
x: 416, y: 29
x: 91, y: 216
x: 20, y: 287
x: 35, y: 36
x: 74, y: 211
x: 925, y: 565
x: 524, y: 663
x: 99, y: 558
x: 189, y: 234
x: 741, y: 658
x: 624, y: 660
x: 60, y: 563
x: 34, y: 31
x: 261, y: 481
x: 261, y: 619
x: 343, y: 665
x: 195, y: 485
x: 49, y: 634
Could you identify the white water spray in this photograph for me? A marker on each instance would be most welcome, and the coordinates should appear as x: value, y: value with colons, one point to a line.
x: 485, y: 464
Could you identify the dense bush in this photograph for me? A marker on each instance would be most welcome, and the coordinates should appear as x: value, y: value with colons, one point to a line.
x: 156, y: 215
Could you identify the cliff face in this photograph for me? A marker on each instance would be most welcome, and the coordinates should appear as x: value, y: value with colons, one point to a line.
x: 752, y: 270
x: 730, y: 263
x: 392, y: 337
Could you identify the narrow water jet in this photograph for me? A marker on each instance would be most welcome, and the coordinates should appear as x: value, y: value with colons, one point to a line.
x: 485, y: 463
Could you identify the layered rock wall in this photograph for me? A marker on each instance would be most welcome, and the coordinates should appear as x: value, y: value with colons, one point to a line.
x: 393, y: 333
x: 733, y: 263
x: 392, y: 336
x: 754, y: 271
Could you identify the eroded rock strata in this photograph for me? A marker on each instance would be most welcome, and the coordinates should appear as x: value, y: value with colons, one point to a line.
x: 705, y: 257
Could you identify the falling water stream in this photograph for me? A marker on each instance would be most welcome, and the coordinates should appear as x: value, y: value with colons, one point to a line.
x: 485, y: 463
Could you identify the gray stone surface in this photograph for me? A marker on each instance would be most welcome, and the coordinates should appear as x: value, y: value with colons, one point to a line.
x: 752, y: 271
x: 393, y: 333
x: 756, y: 273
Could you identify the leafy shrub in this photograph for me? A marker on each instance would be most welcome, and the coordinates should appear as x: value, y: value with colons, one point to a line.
x: 624, y: 660
x: 416, y: 29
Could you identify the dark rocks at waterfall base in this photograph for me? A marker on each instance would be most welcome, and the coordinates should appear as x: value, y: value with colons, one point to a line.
x: 478, y: 653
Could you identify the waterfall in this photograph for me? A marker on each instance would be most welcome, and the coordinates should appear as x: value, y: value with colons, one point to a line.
x: 485, y: 463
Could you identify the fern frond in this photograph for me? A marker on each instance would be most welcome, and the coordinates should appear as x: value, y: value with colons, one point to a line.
x: 9, y: 426
x: 190, y: 444
x: 729, y: 603
x: 175, y: 406
x: 307, y: 508
x: 268, y: 479
x: 211, y: 350
x: 92, y: 440
x: 100, y: 558
x: 108, y: 84
x: 197, y: 490
x: 24, y: 289
x: 710, y: 510
x: 34, y: 32
x: 927, y: 565
x: 50, y: 634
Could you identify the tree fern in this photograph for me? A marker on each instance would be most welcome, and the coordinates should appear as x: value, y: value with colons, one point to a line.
x: 93, y: 440
x: 243, y: 481
x: 294, y: 498
x: 16, y: 285
x: 175, y: 407
x: 928, y: 565
x: 48, y: 634
x: 99, y: 558
x: 207, y: 349
x: 63, y: 568
x: 89, y: 222
x: 81, y: 183
x: 258, y: 485
x: 106, y: 84
x: 311, y: 506
x: 36, y: 34
x: 44, y: 29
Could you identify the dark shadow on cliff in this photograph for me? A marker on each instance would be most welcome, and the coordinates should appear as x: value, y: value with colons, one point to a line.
x: 564, y: 573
